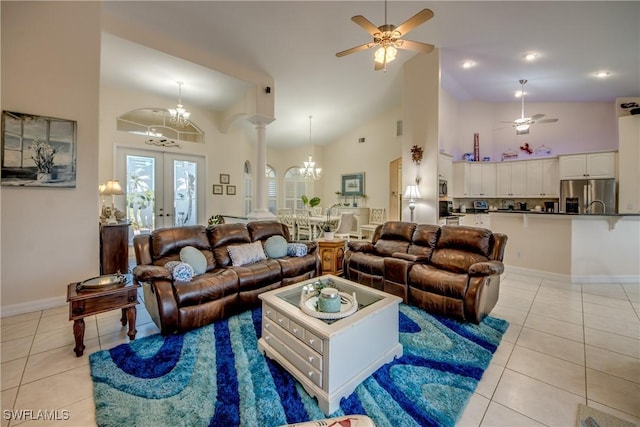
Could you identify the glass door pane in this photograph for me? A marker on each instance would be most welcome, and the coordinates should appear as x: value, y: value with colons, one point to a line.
x: 141, y: 192
x: 185, y: 184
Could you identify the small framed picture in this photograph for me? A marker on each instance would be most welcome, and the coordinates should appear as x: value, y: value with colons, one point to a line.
x: 231, y: 190
x: 224, y: 178
x: 217, y: 189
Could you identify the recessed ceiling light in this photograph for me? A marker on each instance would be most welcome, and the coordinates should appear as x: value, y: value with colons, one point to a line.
x: 468, y: 64
x: 531, y: 56
x: 602, y: 74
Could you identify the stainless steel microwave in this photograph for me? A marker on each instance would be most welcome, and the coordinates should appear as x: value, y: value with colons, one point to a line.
x: 442, y: 188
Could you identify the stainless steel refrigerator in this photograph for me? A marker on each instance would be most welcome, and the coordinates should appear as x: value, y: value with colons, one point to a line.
x: 588, y: 196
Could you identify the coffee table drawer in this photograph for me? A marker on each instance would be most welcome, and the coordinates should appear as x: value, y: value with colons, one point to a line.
x: 313, y: 341
x: 298, y: 362
x: 297, y: 346
x: 277, y: 317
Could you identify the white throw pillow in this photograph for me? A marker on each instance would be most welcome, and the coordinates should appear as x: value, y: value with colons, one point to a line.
x: 246, y: 254
x: 194, y: 258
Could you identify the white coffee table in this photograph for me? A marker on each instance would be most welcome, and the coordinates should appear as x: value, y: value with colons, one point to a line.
x: 330, y: 358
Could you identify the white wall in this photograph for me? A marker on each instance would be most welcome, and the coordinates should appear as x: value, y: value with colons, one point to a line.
x: 50, y: 66
x: 224, y: 153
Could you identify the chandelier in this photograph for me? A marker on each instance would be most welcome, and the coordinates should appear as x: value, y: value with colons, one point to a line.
x: 309, y: 171
x: 179, y: 115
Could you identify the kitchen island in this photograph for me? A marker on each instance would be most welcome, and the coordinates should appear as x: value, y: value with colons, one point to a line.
x: 582, y: 248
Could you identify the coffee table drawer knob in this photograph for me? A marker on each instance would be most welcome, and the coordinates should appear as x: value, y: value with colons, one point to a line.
x: 78, y: 310
x: 310, y: 359
x: 310, y: 374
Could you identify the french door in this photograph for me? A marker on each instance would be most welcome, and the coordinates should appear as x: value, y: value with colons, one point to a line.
x: 162, y: 189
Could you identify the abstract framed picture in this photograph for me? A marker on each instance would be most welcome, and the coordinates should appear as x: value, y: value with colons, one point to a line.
x: 217, y: 189
x: 224, y: 178
x: 231, y: 190
x: 38, y: 151
x: 353, y: 184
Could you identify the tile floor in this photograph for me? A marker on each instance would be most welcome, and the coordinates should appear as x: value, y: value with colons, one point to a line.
x: 567, y: 344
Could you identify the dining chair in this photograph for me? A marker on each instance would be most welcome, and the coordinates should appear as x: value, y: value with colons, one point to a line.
x: 376, y: 217
x: 303, y: 224
x: 345, y: 226
x: 316, y: 211
x: 287, y: 218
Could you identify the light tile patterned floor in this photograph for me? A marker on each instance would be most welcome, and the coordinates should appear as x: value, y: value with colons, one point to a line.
x: 567, y: 344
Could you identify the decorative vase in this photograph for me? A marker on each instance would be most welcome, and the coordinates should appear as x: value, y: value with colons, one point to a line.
x: 328, y: 235
x: 44, y: 177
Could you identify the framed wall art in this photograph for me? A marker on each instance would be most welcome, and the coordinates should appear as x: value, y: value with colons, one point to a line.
x: 217, y: 189
x: 231, y: 190
x: 353, y: 184
x: 224, y: 178
x: 38, y: 151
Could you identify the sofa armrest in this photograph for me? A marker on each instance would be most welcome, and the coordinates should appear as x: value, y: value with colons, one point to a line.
x: 144, y: 273
x: 311, y: 247
x: 409, y: 257
x: 488, y: 268
x: 360, y: 246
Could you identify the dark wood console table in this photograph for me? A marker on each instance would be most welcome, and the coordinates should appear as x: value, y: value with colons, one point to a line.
x: 114, y: 248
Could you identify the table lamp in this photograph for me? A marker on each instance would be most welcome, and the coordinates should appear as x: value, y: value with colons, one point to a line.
x: 112, y: 188
x: 412, y: 193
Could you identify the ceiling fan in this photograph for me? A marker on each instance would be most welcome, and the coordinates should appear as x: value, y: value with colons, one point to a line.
x: 388, y: 38
x: 522, y: 124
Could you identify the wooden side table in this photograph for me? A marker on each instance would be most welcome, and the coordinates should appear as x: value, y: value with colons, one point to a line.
x: 89, y: 302
x: 331, y: 255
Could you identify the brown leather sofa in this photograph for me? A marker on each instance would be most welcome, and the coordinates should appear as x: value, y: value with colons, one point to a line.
x: 223, y: 289
x: 450, y: 270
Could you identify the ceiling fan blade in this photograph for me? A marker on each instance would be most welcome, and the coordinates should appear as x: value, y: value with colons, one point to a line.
x: 423, y: 16
x: 366, y: 24
x: 417, y: 46
x: 537, y: 116
x: 355, y: 49
x: 378, y: 66
x: 547, y: 121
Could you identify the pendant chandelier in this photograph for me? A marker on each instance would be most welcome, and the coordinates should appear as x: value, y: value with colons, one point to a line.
x: 309, y: 171
x: 179, y: 115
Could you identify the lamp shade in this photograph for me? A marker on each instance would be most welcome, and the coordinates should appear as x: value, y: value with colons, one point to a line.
x: 412, y: 192
x: 112, y: 188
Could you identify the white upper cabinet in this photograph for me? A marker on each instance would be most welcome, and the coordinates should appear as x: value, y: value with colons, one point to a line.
x: 474, y: 179
x: 511, y: 179
x: 543, y: 178
x: 588, y: 166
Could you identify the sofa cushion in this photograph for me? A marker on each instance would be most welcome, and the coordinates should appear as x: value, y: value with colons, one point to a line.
x: 367, y: 263
x: 247, y: 253
x: 166, y: 244
x: 395, y: 236
x: 440, y: 282
x: 223, y: 235
x: 262, y: 230
x: 194, y: 258
x: 460, y: 247
x: 276, y: 247
x: 424, y: 240
x: 210, y: 286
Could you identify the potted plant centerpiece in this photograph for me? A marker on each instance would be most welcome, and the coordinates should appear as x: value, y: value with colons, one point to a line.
x: 328, y: 226
x: 43, y: 155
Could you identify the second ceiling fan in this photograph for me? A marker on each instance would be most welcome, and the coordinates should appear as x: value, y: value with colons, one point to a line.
x: 523, y: 124
x: 388, y: 38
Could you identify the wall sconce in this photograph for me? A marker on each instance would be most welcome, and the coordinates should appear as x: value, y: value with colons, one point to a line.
x: 412, y: 193
x: 112, y: 188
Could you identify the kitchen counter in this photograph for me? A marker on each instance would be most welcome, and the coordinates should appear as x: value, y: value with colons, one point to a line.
x: 514, y: 211
x: 591, y: 248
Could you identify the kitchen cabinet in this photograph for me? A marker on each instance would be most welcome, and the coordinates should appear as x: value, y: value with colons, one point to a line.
x: 474, y: 179
x: 591, y: 165
x: 543, y: 178
x: 511, y: 179
x: 476, y: 220
x: 629, y: 159
x: 114, y: 248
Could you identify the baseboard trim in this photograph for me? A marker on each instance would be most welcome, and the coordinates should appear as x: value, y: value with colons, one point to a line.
x: 31, y: 306
x: 621, y: 279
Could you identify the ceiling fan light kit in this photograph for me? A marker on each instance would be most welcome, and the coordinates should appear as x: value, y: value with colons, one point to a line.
x: 523, y: 123
x: 388, y: 38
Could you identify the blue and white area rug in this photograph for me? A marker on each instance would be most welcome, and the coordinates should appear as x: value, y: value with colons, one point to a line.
x: 215, y: 376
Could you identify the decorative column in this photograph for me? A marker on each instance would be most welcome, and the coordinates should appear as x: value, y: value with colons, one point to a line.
x: 260, y: 210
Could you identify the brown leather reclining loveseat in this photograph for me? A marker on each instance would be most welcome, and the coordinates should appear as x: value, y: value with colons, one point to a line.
x: 449, y: 270
x: 223, y: 289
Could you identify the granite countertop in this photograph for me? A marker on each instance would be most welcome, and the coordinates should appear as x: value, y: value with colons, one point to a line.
x: 510, y: 211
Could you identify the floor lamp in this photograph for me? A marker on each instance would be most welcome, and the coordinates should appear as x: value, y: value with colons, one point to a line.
x: 412, y: 193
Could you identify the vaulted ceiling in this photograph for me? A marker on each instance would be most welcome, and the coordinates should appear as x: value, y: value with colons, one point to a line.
x: 295, y: 43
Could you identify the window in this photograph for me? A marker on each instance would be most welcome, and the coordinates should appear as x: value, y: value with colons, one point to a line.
x: 156, y: 123
x: 248, y: 188
x: 272, y: 190
x: 294, y: 187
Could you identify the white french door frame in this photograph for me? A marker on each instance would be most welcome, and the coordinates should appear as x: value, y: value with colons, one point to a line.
x: 164, y: 196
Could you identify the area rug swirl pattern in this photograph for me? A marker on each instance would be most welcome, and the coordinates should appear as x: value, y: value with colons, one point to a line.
x: 215, y: 376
